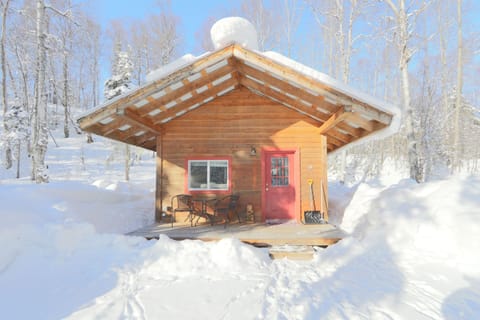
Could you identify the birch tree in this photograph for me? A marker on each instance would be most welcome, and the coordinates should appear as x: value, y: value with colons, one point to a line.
x: 337, y: 19
x: 40, y: 130
x: 404, y: 29
x: 290, y: 13
x: 264, y: 21
x: 459, y: 89
x: 3, y: 62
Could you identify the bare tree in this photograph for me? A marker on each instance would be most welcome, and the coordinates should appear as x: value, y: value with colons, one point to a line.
x: 264, y: 20
x: 404, y: 28
x: 40, y: 130
x: 204, y: 39
x: 459, y: 88
x: 336, y: 19
x: 290, y: 21
x: 3, y: 62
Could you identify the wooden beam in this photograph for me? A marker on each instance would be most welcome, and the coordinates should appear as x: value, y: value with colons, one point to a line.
x: 334, y: 141
x: 196, y: 98
x: 185, y: 89
x: 130, y: 132
x: 112, y: 126
x: 369, y: 125
x: 339, y: 116
x: 145, y: 123
x: 316, y: 101
x: 373, y: 114
x: 343, y: 138
x: 314, y: 85
x: 143, y: 92
x: 282, y: 98
x: 141, y: 140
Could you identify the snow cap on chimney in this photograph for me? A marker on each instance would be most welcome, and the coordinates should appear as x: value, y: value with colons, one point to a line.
x: 234, y: 29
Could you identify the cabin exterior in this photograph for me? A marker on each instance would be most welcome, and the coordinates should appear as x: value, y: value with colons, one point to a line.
x: 237, y: 121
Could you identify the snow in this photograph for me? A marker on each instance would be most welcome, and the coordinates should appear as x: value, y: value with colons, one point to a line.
x: 171, y: 67
x: 412, y: 252
x: 234, y: 29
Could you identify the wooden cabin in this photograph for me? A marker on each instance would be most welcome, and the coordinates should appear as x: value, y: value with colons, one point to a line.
x: 239, y: 121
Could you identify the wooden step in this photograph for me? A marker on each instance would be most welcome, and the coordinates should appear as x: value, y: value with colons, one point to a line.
x: 292, y: 252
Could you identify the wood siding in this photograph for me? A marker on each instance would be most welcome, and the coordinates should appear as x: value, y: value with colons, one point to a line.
x: 229, y: 126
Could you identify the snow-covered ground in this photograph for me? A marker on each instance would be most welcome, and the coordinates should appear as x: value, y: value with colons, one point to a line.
x: 412, y: 252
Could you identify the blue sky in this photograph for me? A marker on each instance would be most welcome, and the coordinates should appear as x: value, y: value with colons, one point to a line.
x: 192, y: 14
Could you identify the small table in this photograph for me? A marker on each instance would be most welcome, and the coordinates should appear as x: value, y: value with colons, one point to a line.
x: 204, y: 200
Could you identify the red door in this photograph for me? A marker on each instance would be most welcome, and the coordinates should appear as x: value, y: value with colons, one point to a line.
x: 279, y: 185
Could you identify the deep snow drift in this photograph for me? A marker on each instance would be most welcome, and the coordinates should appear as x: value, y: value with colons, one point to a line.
x: 412, y: 253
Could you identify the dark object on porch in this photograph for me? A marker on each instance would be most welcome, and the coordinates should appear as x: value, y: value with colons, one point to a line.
x: 167, y: 216
x: 314, y: 217
x: 249, y: 213
x: 226, y: 207
x: 183, y: 203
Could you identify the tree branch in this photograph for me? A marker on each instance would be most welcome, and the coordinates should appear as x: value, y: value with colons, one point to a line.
x: 67, y: 14
x: 392, y: 5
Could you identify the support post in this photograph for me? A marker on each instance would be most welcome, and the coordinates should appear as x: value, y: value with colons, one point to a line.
x: 159, y: 180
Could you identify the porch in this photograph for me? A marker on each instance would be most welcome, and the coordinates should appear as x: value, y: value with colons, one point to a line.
x: 298, y: 240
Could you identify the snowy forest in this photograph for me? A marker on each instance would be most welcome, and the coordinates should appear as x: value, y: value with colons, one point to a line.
x: 57, y: 61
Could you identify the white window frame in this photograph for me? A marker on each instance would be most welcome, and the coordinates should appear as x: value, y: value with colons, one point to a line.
x: 208, y: 186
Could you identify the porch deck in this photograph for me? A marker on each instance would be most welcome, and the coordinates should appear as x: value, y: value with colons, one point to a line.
x: 257, y: 234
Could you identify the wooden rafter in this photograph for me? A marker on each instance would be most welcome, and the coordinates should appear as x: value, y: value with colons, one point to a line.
x: 340, y: 115
x: 368, y: 125
x: 144, y: 123
x: 146, y: 91
x: 279, y: 96
x: 316, y: 101
x: 373, y: 114
x: 196, y: 98
x: 340, y: 136
x: 112, y: 126
x: 185, y: 89
x: 294, y: 76
x: 122, y: 135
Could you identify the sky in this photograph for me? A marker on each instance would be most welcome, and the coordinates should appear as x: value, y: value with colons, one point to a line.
x: 192, y: 14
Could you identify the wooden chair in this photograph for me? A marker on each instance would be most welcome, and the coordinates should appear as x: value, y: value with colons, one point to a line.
x: 227, y: 206
x: 183, y: 203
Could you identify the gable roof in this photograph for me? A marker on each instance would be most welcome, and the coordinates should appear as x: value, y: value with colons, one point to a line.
x: 344, y: 115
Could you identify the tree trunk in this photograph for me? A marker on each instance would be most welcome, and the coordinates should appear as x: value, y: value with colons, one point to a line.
x: 458, y: 99
x: 19, y: 150
x: 405, y: 55
x: 8, y: 150
x: 66, y: 131
x: 40, y: 130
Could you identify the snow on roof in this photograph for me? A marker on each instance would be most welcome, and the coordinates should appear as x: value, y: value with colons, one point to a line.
x: 234, y: 29
x: 171, y: 67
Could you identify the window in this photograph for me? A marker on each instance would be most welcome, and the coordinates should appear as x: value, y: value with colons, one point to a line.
x: 207, y: 175
x: 279, y: 166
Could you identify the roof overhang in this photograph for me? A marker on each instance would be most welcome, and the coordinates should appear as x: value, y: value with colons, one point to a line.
x: 137, y: 117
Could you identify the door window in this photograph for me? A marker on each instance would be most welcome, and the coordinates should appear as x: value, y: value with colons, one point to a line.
x: 279, y: 167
